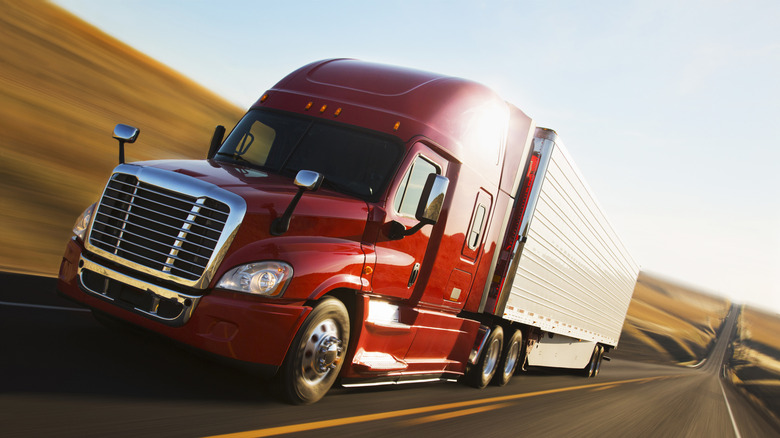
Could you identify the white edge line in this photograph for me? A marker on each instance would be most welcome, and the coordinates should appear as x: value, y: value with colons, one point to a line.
x: 728, y: 406
x: 698, y: 364
x: 38, y: 306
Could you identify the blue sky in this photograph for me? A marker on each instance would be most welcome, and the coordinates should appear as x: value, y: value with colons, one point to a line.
x: 669, y: 108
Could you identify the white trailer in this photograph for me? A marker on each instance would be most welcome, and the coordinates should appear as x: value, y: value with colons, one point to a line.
x: 570, y: 275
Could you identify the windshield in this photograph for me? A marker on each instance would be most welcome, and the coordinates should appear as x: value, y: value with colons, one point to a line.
x: 352, y: 161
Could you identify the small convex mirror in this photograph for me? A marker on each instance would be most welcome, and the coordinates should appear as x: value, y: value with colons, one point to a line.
x: 308, y: 180
x: 432, y: 199
x: 126, y: 133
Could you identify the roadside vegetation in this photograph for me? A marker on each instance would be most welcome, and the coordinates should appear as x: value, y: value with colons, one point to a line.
x: 754, y: 367
x: 670, y: 323
x: 64, y: 85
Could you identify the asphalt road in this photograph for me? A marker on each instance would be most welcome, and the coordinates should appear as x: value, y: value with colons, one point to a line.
x: 64, y: 374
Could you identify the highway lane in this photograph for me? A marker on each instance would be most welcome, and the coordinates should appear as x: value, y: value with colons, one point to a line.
x: 63, y: 374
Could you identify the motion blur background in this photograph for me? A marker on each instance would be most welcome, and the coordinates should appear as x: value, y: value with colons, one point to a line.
x: 668, y: 108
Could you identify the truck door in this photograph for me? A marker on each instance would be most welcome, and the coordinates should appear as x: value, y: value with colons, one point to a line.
x: 399, y: 261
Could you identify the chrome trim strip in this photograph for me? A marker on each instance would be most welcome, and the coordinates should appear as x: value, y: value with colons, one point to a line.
x: 396, y: 380
x: 192, y: 187
x: 188, y: 302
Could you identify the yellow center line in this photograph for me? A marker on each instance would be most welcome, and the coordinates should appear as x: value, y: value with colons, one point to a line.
x: 314, y: 425
x: 603, y: 388
x: 453, y: 414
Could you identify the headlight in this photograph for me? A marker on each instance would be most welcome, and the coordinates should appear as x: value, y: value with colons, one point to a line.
x: 262, y: 278
x: 80, y: 228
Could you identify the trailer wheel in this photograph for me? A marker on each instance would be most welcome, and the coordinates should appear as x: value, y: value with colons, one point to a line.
x: 591, y: 369
x: 316, y: 354
x: 509, y: 359
x: 482, y: 373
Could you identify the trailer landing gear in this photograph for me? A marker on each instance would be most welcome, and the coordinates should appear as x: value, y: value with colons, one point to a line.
x: 592, y: 368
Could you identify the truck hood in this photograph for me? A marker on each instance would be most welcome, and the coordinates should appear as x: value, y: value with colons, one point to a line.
x: 323, y: 214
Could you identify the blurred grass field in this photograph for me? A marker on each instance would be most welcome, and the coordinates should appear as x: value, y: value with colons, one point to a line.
x: 64, y: 85
x: 670, y: 323
x: 755, y: 359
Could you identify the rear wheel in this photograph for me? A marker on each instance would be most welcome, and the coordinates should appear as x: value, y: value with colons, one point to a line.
x: 316, y: 354
x: 509, y: 359
x: 481, y: 373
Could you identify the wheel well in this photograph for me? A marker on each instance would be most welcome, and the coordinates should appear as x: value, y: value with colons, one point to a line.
x: 348, y: 297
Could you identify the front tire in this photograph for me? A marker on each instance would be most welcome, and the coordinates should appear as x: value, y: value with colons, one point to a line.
x: 316, y: 354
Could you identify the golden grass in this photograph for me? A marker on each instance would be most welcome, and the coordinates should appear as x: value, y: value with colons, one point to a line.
x: 63, y: 87
x: 759, y: 326
x: 757, y: 345
x: 667, y: 322
x: 755, y: 360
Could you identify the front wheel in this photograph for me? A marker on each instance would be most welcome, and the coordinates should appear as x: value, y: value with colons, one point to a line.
x: 316, y: 354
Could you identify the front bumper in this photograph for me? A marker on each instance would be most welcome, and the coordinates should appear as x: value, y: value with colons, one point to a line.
x: 223, y: 323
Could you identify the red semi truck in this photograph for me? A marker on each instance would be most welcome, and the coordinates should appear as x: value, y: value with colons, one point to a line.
x: 366, y: 223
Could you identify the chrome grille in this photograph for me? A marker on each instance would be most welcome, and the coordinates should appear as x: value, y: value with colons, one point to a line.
x: 160, y: 229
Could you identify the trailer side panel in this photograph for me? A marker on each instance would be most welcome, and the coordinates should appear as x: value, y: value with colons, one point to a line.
x: 574, y: 276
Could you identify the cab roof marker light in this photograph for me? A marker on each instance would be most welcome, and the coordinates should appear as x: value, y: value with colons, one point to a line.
x: 308, y: 106
x: 323, y: 108
x: 264, y: 98
x: 396, y: 126
x: 338, y: 111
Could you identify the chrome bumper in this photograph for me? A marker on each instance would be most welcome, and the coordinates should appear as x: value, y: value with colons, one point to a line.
x: 157, y: 303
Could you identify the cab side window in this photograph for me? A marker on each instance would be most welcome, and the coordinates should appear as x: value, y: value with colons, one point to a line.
x: 411, y: 187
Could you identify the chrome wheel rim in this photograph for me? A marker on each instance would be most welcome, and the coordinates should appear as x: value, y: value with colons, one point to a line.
x: 491, y: 358
x: 511, y: 359
x: 321, y: 353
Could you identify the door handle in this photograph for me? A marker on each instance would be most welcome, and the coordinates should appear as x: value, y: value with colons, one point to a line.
x: 413, y: 277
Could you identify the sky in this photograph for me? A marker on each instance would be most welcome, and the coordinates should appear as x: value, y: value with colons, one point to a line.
x: 671, y: 109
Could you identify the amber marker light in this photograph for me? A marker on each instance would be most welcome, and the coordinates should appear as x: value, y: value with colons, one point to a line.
x: 264, y: 98
x: 324, y: 107
x: 338, y: 111
x: 308, y: 106
x: 396, y: 126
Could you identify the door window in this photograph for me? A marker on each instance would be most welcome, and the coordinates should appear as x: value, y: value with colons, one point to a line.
x: 408, y: 196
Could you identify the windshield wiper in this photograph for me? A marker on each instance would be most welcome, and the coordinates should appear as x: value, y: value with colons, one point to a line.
x: 350, y: 188
x: 234, y: 157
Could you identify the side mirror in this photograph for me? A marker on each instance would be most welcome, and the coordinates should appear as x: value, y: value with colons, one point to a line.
x: 429, y: 208
x: 125, y: 134
x: 216, y: 141
x: 307, y: 181
x: 432, y: 199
